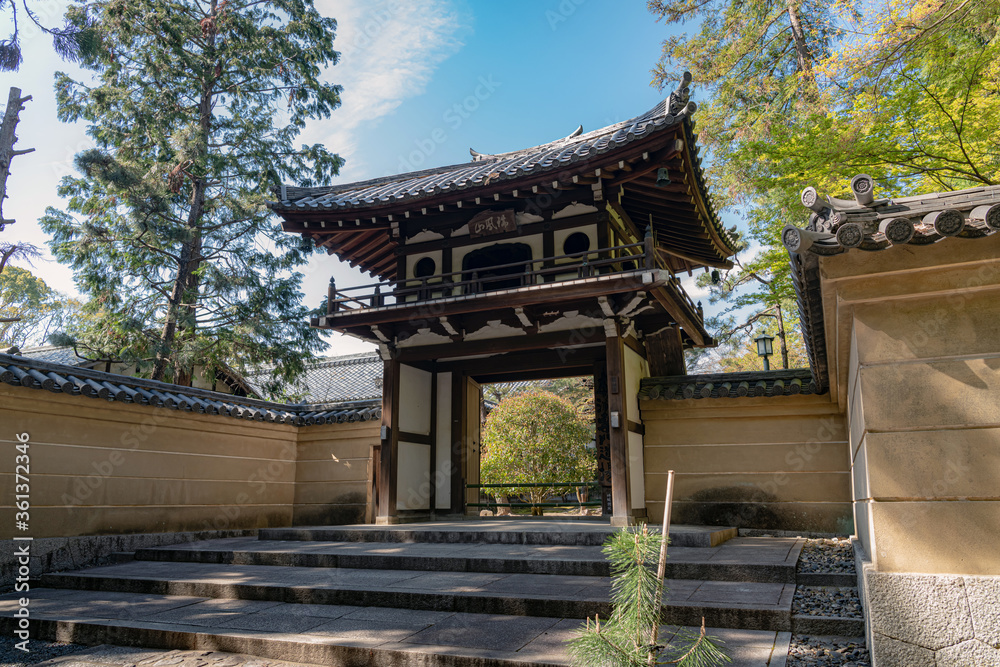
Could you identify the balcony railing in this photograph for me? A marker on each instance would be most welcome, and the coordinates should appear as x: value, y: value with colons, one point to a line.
x: 604, y: 261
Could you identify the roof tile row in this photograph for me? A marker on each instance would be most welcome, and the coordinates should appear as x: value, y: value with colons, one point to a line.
x: 729, y: 385
x: 74, y: 381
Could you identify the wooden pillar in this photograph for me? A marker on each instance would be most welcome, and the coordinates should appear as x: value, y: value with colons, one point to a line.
x: 618, y: 431
x: 389, y: 450
x: 602, y: 435
x: 665, y: 353
x: 457, y: 443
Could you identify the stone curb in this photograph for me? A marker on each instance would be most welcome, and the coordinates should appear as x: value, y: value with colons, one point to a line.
x: 841, y: 626
x: 836, y: 579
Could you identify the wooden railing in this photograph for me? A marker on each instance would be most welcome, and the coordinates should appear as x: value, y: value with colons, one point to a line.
x: 553, y: 485
x: 616, y: 259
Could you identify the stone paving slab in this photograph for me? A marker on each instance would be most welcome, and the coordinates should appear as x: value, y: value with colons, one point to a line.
x: 359, y: 636
x: 506, y: 531
x: 740, y: 559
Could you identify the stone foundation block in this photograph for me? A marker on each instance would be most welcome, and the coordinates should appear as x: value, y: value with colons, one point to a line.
x: 972, y: 653
x: 894, y: 652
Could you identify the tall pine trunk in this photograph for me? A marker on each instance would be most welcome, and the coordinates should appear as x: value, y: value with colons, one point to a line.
x: 182, y: 306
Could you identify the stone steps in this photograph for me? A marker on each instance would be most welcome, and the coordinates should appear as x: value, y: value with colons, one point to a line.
x: 771, y: 562
x: 471, y: 593
x: 331, y: 635
x: 726, y: 604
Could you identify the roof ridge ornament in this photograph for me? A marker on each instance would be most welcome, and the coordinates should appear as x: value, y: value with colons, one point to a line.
x: 678, y: 103
x: 863, y: 187
x: 870, y: 224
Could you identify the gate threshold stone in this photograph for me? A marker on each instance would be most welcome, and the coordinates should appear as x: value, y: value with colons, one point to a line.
x: 497, y: 531
x: 328, y: 635
x: 755, y: 559
x: 759, y: 606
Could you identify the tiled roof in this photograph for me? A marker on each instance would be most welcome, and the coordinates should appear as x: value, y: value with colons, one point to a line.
x: 729, y: 385
x: 54, y: 354
x: 76, y: 381
x: 355, y: 377
x: 488, y: 169
x: 873, y: 224
x: 365, y: 223
x: 867, y: 223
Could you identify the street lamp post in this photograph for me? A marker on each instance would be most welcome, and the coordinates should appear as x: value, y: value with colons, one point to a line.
x: 765, y: 348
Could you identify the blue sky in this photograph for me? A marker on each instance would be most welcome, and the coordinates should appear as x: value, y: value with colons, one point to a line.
x: 424, y: 80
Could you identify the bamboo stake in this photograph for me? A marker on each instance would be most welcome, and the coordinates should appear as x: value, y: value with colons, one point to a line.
x: 661, y: 570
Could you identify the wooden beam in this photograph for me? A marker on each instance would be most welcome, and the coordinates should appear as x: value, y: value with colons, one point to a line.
x: 561, y: 339
x: 542, y: 374
x: 661, y: 158
x: 551, y: 362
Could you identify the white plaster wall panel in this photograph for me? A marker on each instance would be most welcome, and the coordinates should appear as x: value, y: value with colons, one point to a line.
x: 423, y: 236
x: 495, y: 329
x: 573, y: 209
x: 636, y: 368
x: 636, y: 477
x: 411, y: 281
x: 560, y: 236
x: 414, y: 401
x: 413, y: 489
x: 411, y: 261
x: 442, y: 444
x: 423, y: 337
x: 572, y: 320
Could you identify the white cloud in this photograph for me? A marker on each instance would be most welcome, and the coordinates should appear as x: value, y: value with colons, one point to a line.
x: 389, y: 52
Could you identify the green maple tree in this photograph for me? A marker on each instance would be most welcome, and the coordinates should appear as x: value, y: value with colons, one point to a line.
x: 535, y: 437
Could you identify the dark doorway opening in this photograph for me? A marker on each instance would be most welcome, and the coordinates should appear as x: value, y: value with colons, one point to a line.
x: 487, y: 263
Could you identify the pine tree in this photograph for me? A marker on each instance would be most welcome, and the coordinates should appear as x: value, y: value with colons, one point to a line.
x: 630, y: 637
x: 195, y: 111
x: 71, y: 42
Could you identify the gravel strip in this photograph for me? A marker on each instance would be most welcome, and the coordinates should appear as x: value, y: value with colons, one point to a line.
x: 807, y: 651
x: 827, y: 601
x: 39, y: 651
x: 827, y: 555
